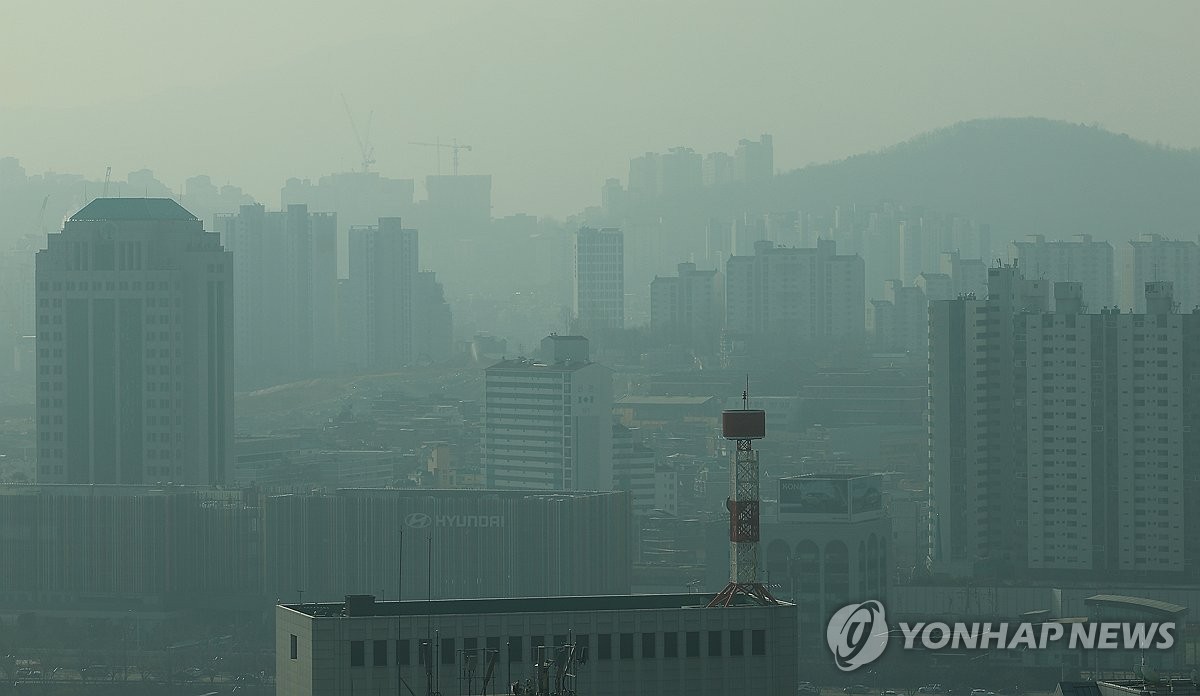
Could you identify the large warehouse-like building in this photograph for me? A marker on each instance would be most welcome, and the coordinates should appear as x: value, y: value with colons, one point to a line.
x: 630, y: 645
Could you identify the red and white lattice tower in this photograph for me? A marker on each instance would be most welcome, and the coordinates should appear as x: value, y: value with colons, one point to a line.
x: 743, y: 427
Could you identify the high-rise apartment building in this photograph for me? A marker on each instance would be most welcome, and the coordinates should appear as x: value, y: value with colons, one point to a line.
x: 754, y: 160
x: 379, y: 318
x: 135, y: 347
x: 900, y: 321
x: 783, y: 295
x: 1059, y: 439
x: 1106, y: 426
x: 689, y: 307
x: 285, y: 292
x: 1152, y: 257
x: 599, y: 304
x: 547, y: 422
x: 1079, y: 259
x: 976, y: 419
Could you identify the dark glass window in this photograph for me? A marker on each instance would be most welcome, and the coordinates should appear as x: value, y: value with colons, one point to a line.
x: 534, y: 643
x: 424, y: 650
x: 402, y: 652
x: 295, y: 651
x: 626, y: 646
x: 758, y: 642
x: 670, y: 644
x: 693, y: 644
x: 735, y: 643
x: 582, y: 643
x: 714, y: 643
x: 447, y: 651
x: 358, y: 651
x: 380, y: 653
x: 604, y: 646
x: 649, y: 642
x: 514, y: 648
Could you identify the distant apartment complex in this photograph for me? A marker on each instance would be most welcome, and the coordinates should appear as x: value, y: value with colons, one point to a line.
x: 599, y: 302
x: 547, y: 422
x: 1058, y: 438
x: 1152, y: 258
x: 1079, y: 259
x: 689, y: 307
x: 783, y: 295
x: 135, y: 347
x: 284, y: 292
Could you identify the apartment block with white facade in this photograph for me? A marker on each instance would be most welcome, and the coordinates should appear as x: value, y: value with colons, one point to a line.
x: 1153, y: 257
x: 1078, y: 259
x: 547, y: 421
x: 599, y: 300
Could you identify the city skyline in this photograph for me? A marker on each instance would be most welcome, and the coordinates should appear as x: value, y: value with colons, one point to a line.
x: 1072, y: 61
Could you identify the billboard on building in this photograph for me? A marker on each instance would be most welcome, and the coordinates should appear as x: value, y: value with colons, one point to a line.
x: 865, y: 495
x: 813, y: 496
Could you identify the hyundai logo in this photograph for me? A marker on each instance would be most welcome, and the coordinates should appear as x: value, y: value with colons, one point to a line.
x: 418, y: 520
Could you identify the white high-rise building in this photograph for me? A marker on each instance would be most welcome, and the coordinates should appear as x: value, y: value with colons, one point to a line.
x: 1151, y: 258
x: 547, y: 422
x: 1060, y: 440
x: 599, y: 304
x: 1105, y: 423
x: 1079, y: 259
x: 135, y: 347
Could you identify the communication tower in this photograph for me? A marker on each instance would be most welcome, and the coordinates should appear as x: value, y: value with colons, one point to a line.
x: 743, y: 427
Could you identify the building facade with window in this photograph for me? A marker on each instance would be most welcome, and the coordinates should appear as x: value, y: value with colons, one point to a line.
x: 633, y: 645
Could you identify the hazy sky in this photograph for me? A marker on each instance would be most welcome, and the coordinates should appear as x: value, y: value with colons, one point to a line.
x: 556, y: 95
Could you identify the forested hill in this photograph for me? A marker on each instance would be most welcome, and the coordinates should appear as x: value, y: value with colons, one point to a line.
x: 1023, y: 176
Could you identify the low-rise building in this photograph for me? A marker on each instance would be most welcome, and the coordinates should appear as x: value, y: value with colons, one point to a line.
x: 632, y: 645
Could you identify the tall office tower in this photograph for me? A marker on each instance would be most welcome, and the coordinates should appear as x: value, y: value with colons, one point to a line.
x: 547, y: 423
x: 782, y: 295
x: 135, y: 347
x: 1077, y: 260
x: 457, y: 212
x: 382, y: 288
x: 977, y: 424
x: 599, y: 280
x: 1152, y: 257
x: 754, y: 160
x: 689, y: 308
x: 284, y: 294
x: 968, y: 276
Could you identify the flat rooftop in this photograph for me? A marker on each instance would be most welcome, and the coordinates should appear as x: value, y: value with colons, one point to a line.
x: 368, y: 606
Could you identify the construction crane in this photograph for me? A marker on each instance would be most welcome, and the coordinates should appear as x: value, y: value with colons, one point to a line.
x: 365, y: 149
x: 454, y: 147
